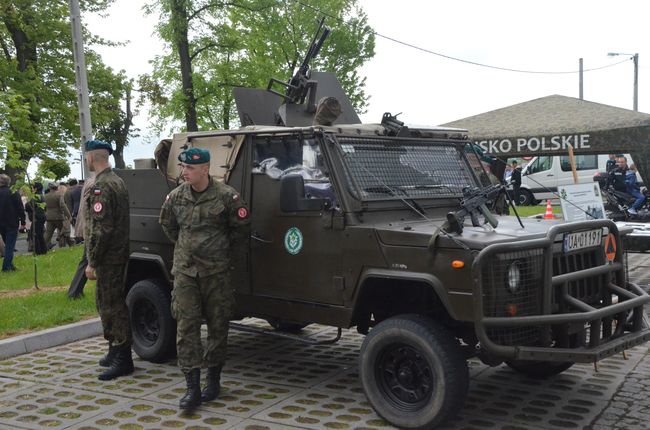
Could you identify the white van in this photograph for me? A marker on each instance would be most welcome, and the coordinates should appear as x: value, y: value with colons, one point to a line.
x: 542, y: 175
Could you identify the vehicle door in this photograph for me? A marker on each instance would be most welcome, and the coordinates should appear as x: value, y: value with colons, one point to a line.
x: 294, y: 255
x: 540, y: 177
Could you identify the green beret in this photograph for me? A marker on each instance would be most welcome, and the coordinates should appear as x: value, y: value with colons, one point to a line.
x: 92, y: 145
x: 194, y: 156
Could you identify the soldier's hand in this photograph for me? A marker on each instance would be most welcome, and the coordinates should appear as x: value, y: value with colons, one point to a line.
x: 90, y: 273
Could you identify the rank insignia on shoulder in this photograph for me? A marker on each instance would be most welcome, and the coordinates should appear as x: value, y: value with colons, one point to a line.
x: 97, y: 192
x: 242, y: 213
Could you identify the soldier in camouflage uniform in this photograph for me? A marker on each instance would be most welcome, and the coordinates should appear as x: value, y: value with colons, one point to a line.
x: 106, y: 214
x: 204, y: 218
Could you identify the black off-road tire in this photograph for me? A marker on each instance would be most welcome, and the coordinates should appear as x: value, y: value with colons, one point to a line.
x: 413, y: 372
x: 539, y: 369
x: 152, y: 324
x: 526, y: 198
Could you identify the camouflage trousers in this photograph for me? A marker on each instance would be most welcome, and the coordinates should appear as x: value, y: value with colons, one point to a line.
x: 111, y: 304
x: 194, y: 299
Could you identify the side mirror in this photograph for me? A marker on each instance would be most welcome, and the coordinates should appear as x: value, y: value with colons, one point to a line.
x: 292, y: 196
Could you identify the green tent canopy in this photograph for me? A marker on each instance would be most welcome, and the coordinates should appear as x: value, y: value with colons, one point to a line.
x: 548, y: 125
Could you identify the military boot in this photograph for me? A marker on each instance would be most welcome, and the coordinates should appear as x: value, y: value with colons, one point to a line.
x: 105, y: 361
x: 120, y: 365
x: 212, y: 387
x: 192, y: 397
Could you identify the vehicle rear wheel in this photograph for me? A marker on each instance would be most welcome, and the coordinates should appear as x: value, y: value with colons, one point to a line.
x: 526, y: 198
x: 413, y: 372
x: 152, y: 324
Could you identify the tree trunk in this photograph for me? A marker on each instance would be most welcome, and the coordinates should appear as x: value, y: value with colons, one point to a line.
x: 122, y: 137
x: 180, y: 23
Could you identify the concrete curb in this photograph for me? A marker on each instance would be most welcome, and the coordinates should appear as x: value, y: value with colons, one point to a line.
x: 56, y: 336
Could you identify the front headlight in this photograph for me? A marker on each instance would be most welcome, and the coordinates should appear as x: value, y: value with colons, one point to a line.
x: 513, y: 277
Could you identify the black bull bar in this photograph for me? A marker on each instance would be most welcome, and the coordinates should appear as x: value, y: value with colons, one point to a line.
x: 631, y: 328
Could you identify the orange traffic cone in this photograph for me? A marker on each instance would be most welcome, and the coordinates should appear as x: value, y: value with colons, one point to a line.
x: 549, y: 211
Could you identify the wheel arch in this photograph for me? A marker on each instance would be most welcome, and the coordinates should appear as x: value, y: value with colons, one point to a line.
x: 146, y: 266
x: 379, y: 288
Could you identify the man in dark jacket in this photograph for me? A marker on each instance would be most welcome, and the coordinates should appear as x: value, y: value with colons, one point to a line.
x: 515, y: 180
x: 12, y: 213
x: 36, y: 213
x: 72, y: 199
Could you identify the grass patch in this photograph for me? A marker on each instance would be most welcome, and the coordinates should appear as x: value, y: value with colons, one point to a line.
x: 24, y: 309
x: 526, y: 211
x: 56, y: 268
x: 44, y: 309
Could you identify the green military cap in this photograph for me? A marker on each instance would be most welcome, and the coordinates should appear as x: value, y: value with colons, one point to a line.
x: 92, y: 145
x: 194, y: 156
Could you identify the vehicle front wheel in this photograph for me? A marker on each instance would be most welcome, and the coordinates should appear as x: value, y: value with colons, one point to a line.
x: 413, y: 372
x: 526, y: 198
x: 152, y: 324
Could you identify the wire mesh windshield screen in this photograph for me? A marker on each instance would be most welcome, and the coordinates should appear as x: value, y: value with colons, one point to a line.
x: 391, y: 168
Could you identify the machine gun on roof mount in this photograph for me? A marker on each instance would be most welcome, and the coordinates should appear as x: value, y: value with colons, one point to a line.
x: 296, y: 105
x: 300, y: 84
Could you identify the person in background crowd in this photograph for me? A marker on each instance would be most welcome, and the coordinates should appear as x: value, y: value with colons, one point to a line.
x: 12, y: 213
x: 611, y: 163
x: 58, y: 217
x: 631, y: 185
x: 515, y: 180
x: 36, y: 212
x: 73, y: 198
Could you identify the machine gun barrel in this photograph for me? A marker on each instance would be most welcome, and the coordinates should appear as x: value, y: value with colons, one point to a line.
x: 299, y: 84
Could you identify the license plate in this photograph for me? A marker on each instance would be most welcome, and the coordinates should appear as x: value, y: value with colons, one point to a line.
x: 582, y: 239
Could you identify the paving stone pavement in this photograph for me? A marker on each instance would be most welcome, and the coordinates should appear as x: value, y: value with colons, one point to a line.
x: 275, y: 384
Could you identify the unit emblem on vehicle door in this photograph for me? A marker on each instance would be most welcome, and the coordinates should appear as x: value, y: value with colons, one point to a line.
x: 293, y: 241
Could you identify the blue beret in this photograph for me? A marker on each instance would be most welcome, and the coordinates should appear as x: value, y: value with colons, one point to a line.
x: 194, y: 156
x: 91, y: 145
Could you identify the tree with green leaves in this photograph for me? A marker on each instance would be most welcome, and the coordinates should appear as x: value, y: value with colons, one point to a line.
x: 111, y: 108
x: 53, y: 168
x: 215, y: 45
x: 38, y: 104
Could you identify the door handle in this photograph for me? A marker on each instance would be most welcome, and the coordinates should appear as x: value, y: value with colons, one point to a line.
x: 255, y: 236
x: 550, y: 174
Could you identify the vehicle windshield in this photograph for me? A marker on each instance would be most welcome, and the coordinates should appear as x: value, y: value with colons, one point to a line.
x: 390, y: 168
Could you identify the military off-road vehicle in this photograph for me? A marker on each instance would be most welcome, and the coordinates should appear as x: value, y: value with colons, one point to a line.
x: 387, y: 229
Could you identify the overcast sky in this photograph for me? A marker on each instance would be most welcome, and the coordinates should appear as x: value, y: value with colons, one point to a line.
x: 543, y: 36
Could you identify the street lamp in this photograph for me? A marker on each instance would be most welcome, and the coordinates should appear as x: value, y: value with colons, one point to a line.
x: 635, y: 58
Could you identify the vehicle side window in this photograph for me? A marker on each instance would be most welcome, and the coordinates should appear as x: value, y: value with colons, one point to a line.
x: 540, y: 164
x: 280, y: 157
x: 583, y: 162
x: 281, y: 153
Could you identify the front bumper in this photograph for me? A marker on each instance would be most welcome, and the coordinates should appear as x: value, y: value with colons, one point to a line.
x: 575, y: 307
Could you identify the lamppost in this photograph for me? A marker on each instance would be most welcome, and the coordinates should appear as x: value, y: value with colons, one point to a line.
x: 635, y: 58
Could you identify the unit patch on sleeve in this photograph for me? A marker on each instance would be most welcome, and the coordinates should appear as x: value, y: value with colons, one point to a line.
x: 242, y: 212
x: 97, y: 207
